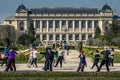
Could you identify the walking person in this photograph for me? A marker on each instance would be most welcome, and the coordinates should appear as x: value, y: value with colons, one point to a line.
x: 44, y: 55
x: 60, y: 56
x: 34, y: 59
x: 11, y: 59
x: 55, y: 57
x: 5, y: 59
x: 67, y: 48
x: 105, y: 59
x: 96, y: 59
x: 112, y: 56
x: 82, y: 62
x: 49, y: 59
x: 30, y: 57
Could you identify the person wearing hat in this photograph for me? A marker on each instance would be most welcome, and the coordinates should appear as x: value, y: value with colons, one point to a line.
x: 105, y: 59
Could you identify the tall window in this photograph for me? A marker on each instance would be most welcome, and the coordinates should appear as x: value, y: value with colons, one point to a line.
x: 21, y: 28
x: 89, y: 23
x: 63, y: 36
x: 38, y: 36
x: 83, y: 24
x: 70, y: 24
x: 76, y: 24
x: 37, y: 24
x: 63, y: 23
x: 44, y: 37
x: 95, y: 23
x: 76, y: 36
x: 50, y: 24
x: 70, y: 37
x: 57, y: 37
x: 89, y: 36
x: 51, y: 37
x: 44, y: 24
x: 83, y: 36
x: 57, y: 24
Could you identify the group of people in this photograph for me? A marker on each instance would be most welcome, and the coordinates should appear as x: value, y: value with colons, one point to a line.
x: 108, y: 57
x: 32, y: 61
x: 9, y: 59
x: 55, y: 56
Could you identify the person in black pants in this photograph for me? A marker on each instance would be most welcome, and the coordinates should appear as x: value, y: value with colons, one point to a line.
x: 60, y: 57
x: 11, y: 60
x: 49, y: 59
x: 105, y: 59
x: 96, y: 59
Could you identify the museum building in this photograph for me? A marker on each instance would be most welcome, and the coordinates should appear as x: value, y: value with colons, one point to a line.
x: 53, y: 25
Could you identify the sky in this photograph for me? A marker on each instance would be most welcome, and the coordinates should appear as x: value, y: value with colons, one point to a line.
x: 8, y: 7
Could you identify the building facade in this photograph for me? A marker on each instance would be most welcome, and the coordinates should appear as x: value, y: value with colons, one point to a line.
x: 62, y: 24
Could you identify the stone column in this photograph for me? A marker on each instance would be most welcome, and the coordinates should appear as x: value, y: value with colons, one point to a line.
x: 93, y: 26
x: 60, y: 26
x: 40, y: 26
x: 41, y: 37
x: 73, y: 35
x: 73, y: 25
x: 79, y: 25
x: 60, y: 37
x: 34, y: 24
x: 47, y: 26
x: 86, y: 35
x: 86, y: 26
x: 67, y: 38
x: 80, y: 37
x: 54, y: 26
x: 47, y: 37
x: 54, y: 36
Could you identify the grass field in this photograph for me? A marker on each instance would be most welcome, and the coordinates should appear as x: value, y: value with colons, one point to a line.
x: 41, y: 74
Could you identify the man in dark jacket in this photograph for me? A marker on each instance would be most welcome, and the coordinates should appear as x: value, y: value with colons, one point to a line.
x: 105, y: 59
x: 49, y: 59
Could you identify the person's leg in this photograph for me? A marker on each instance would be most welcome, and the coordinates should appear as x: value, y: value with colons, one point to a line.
x: 46, y: 65
x: 79, y: 67
x: 61, y: 60
x: 9, y: 65
x: 50, y: 64
x: 36, y: 62
x: 112, y: 62
x: 82, y: 67
x: 102, y: 63
x: 93, y: 65
x: 14, y: 66
x: 107, y: 65
x: 57, y: 61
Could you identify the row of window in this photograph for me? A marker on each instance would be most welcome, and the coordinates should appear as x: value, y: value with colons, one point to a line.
x: 63, y: 23
x: 70, y: 36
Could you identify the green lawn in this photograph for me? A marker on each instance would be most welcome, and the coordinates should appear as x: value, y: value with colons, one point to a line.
x: 41, y: 74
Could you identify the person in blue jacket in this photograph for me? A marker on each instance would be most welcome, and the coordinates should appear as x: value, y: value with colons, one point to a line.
x: 82, y: 62
x: 5, y: 51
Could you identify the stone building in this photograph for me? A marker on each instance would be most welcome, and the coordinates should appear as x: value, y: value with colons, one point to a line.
x: 62, y: 23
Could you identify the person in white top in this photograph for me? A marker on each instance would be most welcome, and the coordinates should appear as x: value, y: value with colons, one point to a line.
x: 30, y: 57
x: 60, y: 56
x: 34, y: 60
